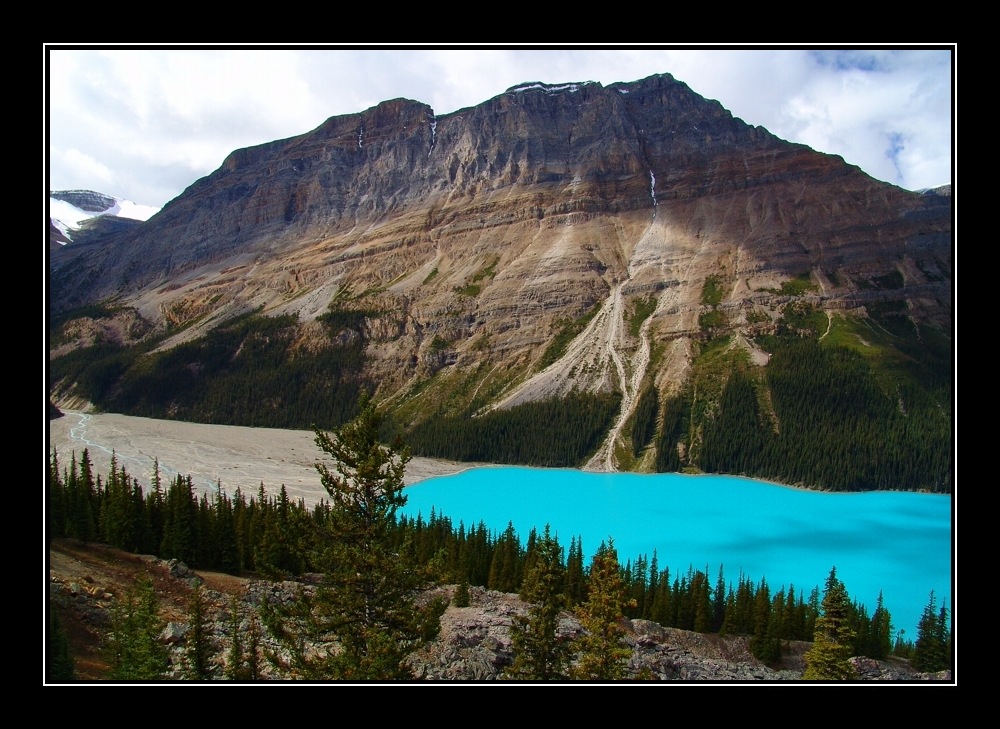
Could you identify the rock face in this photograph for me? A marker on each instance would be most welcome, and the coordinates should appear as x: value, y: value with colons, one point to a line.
x: 480, y: 233
x: 93, y: 202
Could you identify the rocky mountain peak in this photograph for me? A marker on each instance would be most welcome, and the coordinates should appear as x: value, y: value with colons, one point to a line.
x: 476, y: 241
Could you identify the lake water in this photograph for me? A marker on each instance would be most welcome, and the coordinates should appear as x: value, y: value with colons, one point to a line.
x: 896, y: 542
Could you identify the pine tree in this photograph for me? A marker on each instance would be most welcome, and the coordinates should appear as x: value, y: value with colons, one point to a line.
x: 575, y: 577
x: 252, y: 666
x: 602, y: 653
x: 765, y: 644
x: 180, y: 511
x: 540, y: 654
x: 227, y: 557
x: 833, y: 639
x: 505, y: 572
x: 132, y: 643
x: 930, y: 651
x: 243, y: 662
x: 367, y: 601
x: 462, y: 596
x: 59, y: 662
x: 881, y: 631
x: 57, y: 499
x: 196, y: 646
x: 80, y: 498
x: 701, y: 595
x: 235, y: 659
x: 719, y: 602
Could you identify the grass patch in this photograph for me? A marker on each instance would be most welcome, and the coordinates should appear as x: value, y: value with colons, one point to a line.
x: 711, y: 291
x: 567, y: 331
x: 797, y: 286
x: 487, y: 272
x: 712, y: 320
x: 641, y: 310
x: 372, y: 291
x: 430, y: 277
x: 470, y: 291
x: 800, y: 317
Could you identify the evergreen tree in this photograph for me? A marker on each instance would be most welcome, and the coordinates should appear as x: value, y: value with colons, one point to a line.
x: 930, y: 651
x: 367, y: 600
x: 765, y: 644
x: 719, y: 602
x: 252, y: 659
x: 80, y: 498
x: 540, y: 654
x: 227, y: 557
x: 902, y: 648
x: 701, y: 595
x: 462, y: 594
x: 155, y: 510
x: 833, y: 640
x: 880, y: 642
x: 646, y: 609
x: 235, y: 659
x: 661, y: 609
x: 180, y: 513
x: 132, y: 644
x: 57, y: 499
x: 59, y: 661
x: 505, y: 572
x: 602, y: 653
x: 196, y: 646
x: 575, y: 577
x: 243, y: 662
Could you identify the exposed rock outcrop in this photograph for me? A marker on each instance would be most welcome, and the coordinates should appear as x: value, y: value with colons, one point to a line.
x: 473, y: 645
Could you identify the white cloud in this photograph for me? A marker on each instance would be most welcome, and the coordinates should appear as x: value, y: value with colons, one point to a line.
x: 82, y: 168
x: 150, y: 122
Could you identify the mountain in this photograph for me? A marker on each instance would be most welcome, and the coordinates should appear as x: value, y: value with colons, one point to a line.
x: 632, y: 242
x: 84, y: 213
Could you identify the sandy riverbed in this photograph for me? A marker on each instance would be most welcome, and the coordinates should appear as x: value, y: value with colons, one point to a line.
x: 233, y: 455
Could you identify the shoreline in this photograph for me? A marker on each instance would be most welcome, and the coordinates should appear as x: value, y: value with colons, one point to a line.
x: 236, y: 456
x: 243, y: 457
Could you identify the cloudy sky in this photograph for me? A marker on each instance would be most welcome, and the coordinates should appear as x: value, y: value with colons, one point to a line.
x: 143, y: 124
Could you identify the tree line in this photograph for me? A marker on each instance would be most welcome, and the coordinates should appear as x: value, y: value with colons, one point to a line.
x: 847, y: 434
x: 821, y: 414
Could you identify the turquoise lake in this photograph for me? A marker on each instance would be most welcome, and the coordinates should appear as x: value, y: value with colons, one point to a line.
x: 897, y: 542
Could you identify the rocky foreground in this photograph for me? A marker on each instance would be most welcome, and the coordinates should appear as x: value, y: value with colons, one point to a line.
x: 474, y: 643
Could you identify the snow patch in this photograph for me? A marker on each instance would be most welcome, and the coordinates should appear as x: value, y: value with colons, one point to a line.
x: 549, y: 88
x: 66, y: 217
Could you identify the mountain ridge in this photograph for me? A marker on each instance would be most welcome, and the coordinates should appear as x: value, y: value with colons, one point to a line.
x: 473, y: 244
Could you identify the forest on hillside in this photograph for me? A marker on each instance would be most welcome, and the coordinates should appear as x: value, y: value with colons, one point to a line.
x: 843, y: 404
